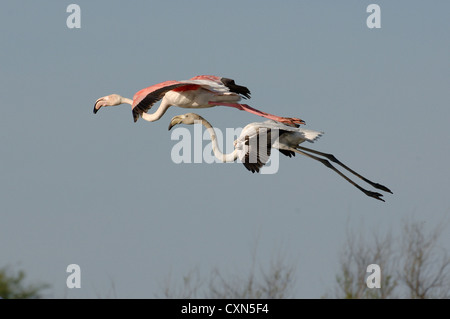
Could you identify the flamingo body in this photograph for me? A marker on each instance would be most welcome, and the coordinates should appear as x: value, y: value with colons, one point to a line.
x: 198, y: 92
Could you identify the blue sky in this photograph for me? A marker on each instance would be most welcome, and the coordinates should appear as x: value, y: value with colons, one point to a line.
x: 102, y: 192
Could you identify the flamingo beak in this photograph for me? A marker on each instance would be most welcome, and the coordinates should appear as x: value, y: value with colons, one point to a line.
x: 97, y: 107
x: 175, y: 120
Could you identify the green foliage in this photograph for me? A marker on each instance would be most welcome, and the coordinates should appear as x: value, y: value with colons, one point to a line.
x: 12, y: 286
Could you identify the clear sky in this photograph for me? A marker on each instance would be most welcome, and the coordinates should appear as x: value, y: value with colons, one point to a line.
x: 102, y: 191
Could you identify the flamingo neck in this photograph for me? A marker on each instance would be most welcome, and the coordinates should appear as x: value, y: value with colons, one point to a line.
x: 125, y: 100
x: 226, y: 158
x: 158, y: 114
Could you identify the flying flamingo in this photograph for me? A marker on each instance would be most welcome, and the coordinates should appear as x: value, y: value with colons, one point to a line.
x: 199, y: 92
x: 256, y: 140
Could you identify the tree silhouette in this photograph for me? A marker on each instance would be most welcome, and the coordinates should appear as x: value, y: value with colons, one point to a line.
x: 412, y: 266
x: 273, y: 282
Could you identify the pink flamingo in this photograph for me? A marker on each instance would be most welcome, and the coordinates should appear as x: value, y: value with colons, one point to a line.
x: 199, y: 92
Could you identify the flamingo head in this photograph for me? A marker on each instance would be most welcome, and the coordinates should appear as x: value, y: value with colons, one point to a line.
x: 110, y: 100
x: 188, y: 119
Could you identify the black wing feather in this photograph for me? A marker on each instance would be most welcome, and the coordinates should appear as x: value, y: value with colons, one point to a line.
x: 248, y: 160
x: 151, y: 98
x: 287, y: 153
x: 229, y: 83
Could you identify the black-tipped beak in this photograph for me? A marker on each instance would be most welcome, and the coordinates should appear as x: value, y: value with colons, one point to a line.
x: 174, y: 121
x: 96, y: 109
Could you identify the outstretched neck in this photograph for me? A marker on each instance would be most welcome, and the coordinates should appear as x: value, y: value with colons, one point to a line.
x: 124, y: 100
x: 226, y: 158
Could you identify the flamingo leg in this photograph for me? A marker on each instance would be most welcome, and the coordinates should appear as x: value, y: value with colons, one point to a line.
x: 335, y: 160
x: 329, y: 165
x: 244, y: 107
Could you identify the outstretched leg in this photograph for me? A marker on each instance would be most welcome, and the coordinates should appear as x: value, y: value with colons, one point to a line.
x: 329, y: 165
x: 335, y: 160
x: 247, y: 108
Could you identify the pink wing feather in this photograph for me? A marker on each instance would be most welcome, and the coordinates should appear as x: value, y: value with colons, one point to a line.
x: 145, y: 98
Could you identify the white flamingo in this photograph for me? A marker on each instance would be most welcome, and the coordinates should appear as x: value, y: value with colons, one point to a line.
x: 256, y: 140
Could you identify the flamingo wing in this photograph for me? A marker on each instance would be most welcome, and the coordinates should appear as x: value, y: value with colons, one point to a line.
x: 298, y: 132
x: 285, y: 135
x: 229, y: 84
x: 233, y: 87
x: 256, y: 145
x: 145, y: 98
